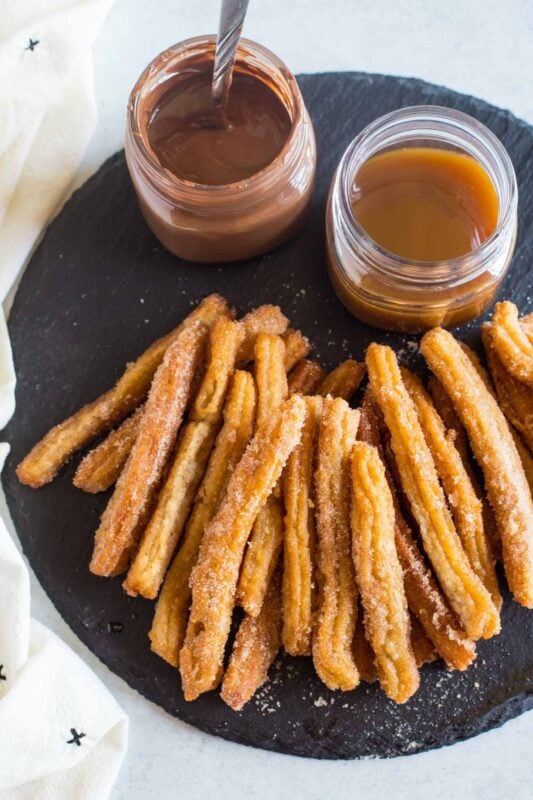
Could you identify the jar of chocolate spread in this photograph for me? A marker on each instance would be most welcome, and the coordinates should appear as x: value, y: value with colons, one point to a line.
x: 220, y: 193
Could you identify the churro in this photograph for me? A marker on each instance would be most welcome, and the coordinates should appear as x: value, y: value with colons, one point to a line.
x: 214, y: 578
x: 362, y: 651
x: 256, y: 646
x: 337, y: 606
x: 424, y: 596
x: 496, y: 453
x: 379, y: 574
x: 266, y: 541
x: 296, y: 347
x: 514, y: 397
x: 305, y: 377
x: 48, y: 456
x: 465, y: 591
x: 175, y: 499
x: 131, y: 502
x: 343, y: 381
x: 101, y: 467
x: 512, y: 342
x: 299, y: 537
x: 263, y: 319
x: 465, y: 505
x: 170, y: 619
x: 423, y: 649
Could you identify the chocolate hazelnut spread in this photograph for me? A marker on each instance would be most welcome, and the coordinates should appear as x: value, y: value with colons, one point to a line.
x: 186, y: 143
x: 212, y: 194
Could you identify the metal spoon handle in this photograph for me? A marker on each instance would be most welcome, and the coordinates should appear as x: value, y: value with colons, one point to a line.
x: 232, y: 17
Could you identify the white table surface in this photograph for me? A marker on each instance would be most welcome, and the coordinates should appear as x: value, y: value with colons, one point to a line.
x: 480, y: 47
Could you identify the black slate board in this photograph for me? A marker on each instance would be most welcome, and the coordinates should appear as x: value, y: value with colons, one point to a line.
x: 98, y: 290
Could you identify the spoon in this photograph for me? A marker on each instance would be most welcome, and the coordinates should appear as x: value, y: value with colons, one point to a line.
x: 232, y: 16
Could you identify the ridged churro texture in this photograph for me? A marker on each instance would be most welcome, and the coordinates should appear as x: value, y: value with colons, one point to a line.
x: 165, y: 527
x: 496, y: 453
x: 101, y: 466
x: 263, y: 319
x: 419, y: 479
x: 512, y: 342
x: 131, y: 502
x: 379, y: 575
x: 337, y: 607
x: 256, y: 646
x: 299, y: 537
x: 343, y: 381
x: 424, y: 596
x: 515, y: 398
x: 48, y: 456
x: 170, y: 619
x: 214, y: 578
x: 297, y: 347
x: 465, y: 505
x: 305, y: 377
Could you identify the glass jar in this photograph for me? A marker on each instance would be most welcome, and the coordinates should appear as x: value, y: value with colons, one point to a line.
x: 224, y: 222
x: 391, y: 292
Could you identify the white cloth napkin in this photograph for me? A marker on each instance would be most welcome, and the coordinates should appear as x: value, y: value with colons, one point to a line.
x: 62, y: 735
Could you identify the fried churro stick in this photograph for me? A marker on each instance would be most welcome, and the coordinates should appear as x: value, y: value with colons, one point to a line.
x: 305, y: 377
x: 337, y: 608
x: 256, y: 646
x: 214, y: 578
x: 131, y: 502
x: 456, y: 430
x: 263, y: 319
x: 423, y: 650
x: 101, y: 466
x: 465, y: 591
x: 379, y: 575
x: 296, y: 347
x: 496, y: 453
x: 515, y: 398
x: 166, y: 525
x: 170, y: 618
x: 512, y: 342
x: 48, y: 456
x: 266, y: 541
x: 299, y: 537
x: 466, y: 507
x: 343, y: 381
x: 362, y: 651
x: 424, y: 596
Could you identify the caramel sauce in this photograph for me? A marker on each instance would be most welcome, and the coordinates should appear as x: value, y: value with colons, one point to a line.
x: 185, y: 143
x: 425, y: 204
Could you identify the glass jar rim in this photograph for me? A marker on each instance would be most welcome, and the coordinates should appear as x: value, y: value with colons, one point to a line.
x: 392, y: 265
x: 162, y: 60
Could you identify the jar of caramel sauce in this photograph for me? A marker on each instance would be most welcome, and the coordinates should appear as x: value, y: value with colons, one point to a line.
x: 223, y: 193
x: 421, y: 220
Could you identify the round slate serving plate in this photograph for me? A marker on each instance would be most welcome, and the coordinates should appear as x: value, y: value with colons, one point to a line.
x: 98, y: 290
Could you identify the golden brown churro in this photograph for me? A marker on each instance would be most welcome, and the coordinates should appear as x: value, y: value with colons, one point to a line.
x: 175, y: 499
x: 423, y: 650
x: 266, y: 541
x: 335, y: 625
x: 362, y: 651
x: 101, y: 467
x: 48, y: 456
x: 379, y: 575
x: 496, y: 454
x: 515, y: 398
x: 214, y: 578
x: 305, y: 377
x: 466, y: 507
x: 256, y: 646
x: 343, y: 381
x: 296, y: 347
x: 131, y: 502
x: 512, y: 342
x: 170, y: 618
x: 465, y: 591
x: 263, y: 319
x: 299, y: 537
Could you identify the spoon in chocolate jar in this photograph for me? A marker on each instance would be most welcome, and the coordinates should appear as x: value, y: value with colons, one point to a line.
x: 232, y: 16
